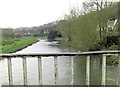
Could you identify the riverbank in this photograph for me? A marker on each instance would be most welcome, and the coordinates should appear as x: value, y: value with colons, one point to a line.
x: 13, y: 45
x: 111, y: 59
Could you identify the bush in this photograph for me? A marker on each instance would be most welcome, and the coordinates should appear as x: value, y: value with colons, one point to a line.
x: 112, y: 40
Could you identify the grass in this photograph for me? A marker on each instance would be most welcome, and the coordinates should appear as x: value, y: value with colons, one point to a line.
x: 60, y: 38
x: 12, y: 45
x: 112, y: 59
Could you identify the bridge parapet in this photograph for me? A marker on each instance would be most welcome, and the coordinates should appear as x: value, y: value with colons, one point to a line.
x: 56, y: 55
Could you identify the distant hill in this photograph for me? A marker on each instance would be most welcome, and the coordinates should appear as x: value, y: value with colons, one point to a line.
x: 37, y: 29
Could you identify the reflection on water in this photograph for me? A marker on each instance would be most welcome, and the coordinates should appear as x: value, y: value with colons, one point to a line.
x: 80, y: 70
x: 96, y: 70
x: 44, y: 46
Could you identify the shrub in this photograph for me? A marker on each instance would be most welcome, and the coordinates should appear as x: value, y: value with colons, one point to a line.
x: 114, y: 47
x: 112, y: 40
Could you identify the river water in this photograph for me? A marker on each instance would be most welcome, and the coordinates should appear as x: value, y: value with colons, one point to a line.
x: 44, y: 46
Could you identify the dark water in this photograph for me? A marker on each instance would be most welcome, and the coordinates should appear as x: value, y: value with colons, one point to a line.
x: 44, y: 46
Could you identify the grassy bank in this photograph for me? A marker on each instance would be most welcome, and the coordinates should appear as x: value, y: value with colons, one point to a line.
x: 13, y: 45
x: 60, y: 38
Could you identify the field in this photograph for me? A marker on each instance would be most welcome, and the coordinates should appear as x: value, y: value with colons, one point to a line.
x: 13, y: 45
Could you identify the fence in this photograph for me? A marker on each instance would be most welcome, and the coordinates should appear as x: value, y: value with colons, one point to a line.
x: 55, y: 55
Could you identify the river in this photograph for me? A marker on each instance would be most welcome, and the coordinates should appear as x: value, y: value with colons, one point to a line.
x: 44, y: 46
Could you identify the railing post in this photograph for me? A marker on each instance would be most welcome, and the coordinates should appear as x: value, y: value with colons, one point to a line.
x: 24, y: 71
x: 40, y: 70
x: 72, y: 71
x: 119, y: 70
x: 88, y: 71
x: 10, y: 72
x: 56, y: 69
x: 103, y: 70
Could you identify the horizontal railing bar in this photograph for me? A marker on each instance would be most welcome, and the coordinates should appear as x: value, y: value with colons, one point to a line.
x: 60, y: 54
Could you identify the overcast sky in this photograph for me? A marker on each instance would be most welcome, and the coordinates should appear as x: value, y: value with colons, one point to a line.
x: 27, y: 13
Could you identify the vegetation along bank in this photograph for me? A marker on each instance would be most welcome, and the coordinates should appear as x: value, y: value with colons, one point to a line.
x: 12, y: 45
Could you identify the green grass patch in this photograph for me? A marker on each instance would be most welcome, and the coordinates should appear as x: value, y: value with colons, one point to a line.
x: 112, y: 59
x: 60, y: 38
x: 16, y: 44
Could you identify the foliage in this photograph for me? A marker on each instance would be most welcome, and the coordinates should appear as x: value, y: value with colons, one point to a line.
x: 114, y: 47
x: 53, y: 34
x: 112, y: 59
x: 8, y: 33
x: 105, y: 11
x: 88, y: 31
x: 81, y: 29
x: 111, y: 43
x: 112, y: 40
x: 40, y: 35
x: 60, y: 38
x: 112, y: 11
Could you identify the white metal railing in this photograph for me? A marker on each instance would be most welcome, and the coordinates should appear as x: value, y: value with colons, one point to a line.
x: 55, y: 55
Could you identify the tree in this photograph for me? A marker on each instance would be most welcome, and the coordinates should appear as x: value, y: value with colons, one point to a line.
x: 105, y: 11
x: 86, y: 29
x: 81, y: 29
x: 53, y: 34
x: 8, y: 33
